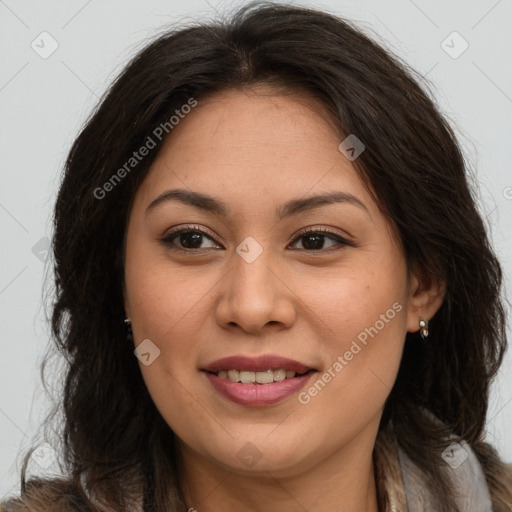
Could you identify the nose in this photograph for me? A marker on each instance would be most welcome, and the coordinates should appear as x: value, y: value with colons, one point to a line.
x: 255, y: 296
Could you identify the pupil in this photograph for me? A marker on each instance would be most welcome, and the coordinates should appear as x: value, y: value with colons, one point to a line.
x: 193, y: 237
x: 317, y: 244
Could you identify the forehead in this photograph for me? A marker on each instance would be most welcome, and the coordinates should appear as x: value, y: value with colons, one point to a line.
x: 253, y: 148
x: 254, y: 118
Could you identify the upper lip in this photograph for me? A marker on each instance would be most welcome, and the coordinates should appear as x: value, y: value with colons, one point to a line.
x: 257, y: 364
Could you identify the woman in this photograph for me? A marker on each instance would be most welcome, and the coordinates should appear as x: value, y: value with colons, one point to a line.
x: 272, y: 216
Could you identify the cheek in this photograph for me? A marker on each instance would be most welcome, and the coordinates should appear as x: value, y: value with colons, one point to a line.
x: 363, y: 364
x: 364, y: 310
x: 352, y: 299
x: 169, y: 308
x: 165, y: 299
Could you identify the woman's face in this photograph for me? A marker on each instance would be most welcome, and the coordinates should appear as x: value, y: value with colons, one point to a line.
x: 246, y: 283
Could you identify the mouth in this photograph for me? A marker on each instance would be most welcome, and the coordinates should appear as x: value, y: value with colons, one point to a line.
x: 262, y: 377
x: 257, y: 381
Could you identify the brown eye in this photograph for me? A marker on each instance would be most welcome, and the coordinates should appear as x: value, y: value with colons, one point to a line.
x: 314, y: 240
x: 190, y: 239
x: 187, y: 239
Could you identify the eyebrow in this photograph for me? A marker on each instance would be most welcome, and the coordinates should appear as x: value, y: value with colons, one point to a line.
x: 292, y: 207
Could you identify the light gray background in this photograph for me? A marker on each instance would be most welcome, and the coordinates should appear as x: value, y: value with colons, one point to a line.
x: 43, y: 102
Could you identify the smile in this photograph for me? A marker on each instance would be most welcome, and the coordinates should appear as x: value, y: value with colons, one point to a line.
x: 257, y: 381
x: 265, y: 377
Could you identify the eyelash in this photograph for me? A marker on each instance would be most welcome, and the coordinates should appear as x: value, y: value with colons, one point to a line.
x: 167, y: 239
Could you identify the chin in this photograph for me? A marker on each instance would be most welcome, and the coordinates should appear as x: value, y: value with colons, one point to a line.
x: 282, y: 456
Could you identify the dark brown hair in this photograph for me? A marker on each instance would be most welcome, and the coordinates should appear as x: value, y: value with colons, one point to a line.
x: 115, y: 444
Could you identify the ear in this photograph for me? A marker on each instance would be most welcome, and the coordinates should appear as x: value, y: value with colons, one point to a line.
x: 426, y: 294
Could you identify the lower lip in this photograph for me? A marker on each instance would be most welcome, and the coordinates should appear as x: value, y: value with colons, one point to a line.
x: 256, y: 395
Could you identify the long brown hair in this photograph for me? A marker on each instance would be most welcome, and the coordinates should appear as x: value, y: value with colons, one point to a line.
x: 115, y: 444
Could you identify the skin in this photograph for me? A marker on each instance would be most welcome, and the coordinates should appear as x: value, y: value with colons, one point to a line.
x: 254, y: 150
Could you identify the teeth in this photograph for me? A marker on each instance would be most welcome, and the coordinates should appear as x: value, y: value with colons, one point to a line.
x: 233, y: 375
x: 265, y: 377
x: 279, y: 375
x: 247, y: 377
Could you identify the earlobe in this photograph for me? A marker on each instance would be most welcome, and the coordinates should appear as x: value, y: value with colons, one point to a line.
x: 426, y: 295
